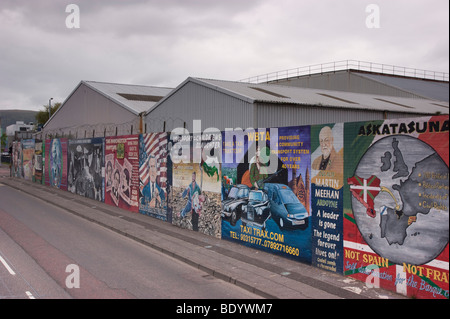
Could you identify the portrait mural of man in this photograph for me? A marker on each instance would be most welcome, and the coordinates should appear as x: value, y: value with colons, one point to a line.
x: 153, y: 192
x: 194, y: 196
x: 258, y: 170
x: 109, y: 170
x: 327, y: 187
x: 154, y: 181
x: 115, y: 186
x: 330, y: 159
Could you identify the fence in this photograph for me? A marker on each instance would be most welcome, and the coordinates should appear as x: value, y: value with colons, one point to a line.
x: 135, y: 126
x: 348, y: 65
x: 368, y: 200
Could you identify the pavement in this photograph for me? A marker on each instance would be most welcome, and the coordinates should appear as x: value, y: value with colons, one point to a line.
x: 267, y: 275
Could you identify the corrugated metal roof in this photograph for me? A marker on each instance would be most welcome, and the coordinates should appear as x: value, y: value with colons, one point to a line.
x: 135, y: 98
x: 271, y: 93
x: 426, y: 88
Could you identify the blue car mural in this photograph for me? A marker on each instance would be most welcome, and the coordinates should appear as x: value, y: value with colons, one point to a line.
x: 285, y: 208
x: 276, y: 201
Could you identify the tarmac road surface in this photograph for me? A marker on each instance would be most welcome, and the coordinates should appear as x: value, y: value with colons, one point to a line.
x: 46, y: 252
x: 259, y: 273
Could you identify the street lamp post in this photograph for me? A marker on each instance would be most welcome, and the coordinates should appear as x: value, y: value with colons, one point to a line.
x: 49, y: 106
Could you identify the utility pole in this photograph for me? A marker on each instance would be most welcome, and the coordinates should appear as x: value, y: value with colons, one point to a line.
x: 49, y: 107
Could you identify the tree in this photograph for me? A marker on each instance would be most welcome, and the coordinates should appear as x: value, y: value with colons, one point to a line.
x: 42, y: 116
x: 3, y: 141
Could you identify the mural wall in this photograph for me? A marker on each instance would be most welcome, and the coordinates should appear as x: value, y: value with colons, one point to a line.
x: 85, y: 168
x: 266, y: 190
x: 396, y: 227
x: 327, y: 186
x: 122, y: 172
x: 155, y: 176
x: 28, y: 158
x: 368, y: 200
x: 17, y: 167
x: 195, y: 198
x: 56, y: 163
x: 38, y: 174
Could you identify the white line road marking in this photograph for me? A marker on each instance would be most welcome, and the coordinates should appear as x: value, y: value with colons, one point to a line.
x: 7, y: 266
x: 29, y: 294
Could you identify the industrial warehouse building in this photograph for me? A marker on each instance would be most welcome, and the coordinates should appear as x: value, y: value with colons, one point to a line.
x: 372, y: 83
x: 226, y: 104
x: 315, y: 96
x: 364, y: 77
x: 98, y: 109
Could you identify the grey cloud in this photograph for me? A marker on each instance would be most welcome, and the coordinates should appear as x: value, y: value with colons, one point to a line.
x: 162, y: 42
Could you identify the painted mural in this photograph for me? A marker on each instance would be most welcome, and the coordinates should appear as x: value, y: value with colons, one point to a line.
x: 195, y: 197
x: 155, y: 176
x: 28, y: 159
x: 122, y: 172
x: 266, y: 190
x: 327, y: 171
x: 56, y: 163
x: 17, y: 168
x: 368, y: 200
x: 38, y: 175
x: 86, y: 167
x: 396, y: 226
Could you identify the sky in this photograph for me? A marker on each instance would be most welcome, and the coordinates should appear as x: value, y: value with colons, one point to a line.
x: 48, y: 46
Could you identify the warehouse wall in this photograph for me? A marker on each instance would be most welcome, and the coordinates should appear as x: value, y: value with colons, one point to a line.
x: 193, y: 102
x: 224, y: 109
x: 87, y: 113
x: 270, y: 115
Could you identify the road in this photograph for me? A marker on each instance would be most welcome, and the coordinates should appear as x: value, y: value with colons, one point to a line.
x: 47, y: 252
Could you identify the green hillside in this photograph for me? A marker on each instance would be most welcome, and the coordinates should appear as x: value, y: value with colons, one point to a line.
x: 8, y: 117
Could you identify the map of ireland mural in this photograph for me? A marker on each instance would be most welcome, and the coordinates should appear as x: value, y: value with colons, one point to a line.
x: 398, y: 194
x: 394, y: 200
